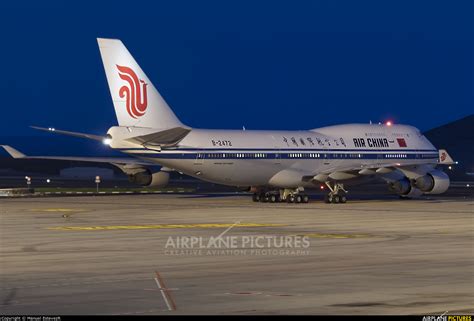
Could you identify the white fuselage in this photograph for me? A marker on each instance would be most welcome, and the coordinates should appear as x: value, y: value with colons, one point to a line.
x: 281, y: 158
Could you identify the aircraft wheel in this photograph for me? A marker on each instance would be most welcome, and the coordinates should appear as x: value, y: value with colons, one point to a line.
x: 327, y: 199
x: 290, y: 199
x: 343, y: 199
x: 305, y: 198
x: 336, y: 199
x: 263, y: 198
x: 298, y: 199
x: 255, y: 197
x: 273, y: 198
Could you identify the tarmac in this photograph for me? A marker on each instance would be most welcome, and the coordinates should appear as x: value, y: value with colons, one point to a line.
x: 224, y: 254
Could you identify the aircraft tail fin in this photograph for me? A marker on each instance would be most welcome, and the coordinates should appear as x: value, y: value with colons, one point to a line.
x: 444, y: 157
x: 136, y: 101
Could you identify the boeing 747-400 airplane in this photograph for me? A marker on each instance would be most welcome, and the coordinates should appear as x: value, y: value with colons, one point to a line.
x: 274, y: 165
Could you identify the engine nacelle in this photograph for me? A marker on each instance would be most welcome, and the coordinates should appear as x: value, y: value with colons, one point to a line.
x: 435, y: 182
x: 401, y: 187
x: 413, y: 193
x: 148, y: 178
x: 404, y: 188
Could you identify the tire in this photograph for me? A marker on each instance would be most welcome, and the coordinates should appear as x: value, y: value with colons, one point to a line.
x: 343, y: 199
x: 263, y: 198
x: 290, y: 199
x: 272, y: 198
x: 336, y: 199
x: 255, y: 197
x: 298, y: 199
x: 305, y: 198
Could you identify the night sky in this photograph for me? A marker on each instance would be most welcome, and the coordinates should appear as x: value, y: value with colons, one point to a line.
x: 228, y: 64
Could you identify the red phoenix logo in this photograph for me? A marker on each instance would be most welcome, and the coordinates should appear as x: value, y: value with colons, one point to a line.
x: 443, y: 156
x: 135, y: 93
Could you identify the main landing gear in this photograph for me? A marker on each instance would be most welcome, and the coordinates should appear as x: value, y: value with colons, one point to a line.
x: 283, y: 195
x: 337, y: 193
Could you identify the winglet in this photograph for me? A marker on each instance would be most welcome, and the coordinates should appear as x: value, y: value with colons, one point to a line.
x: 13, y: 152
x: 444, y: 157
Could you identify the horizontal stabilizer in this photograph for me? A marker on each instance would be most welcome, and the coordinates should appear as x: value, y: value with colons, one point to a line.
x: 169, y: 137
x: 75, y: 134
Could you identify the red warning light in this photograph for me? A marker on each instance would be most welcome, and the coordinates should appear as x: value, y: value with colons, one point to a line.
x: 389, y: 123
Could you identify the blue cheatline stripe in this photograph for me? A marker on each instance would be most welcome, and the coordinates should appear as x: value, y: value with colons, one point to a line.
x: 306, y: 150
x: 273, y: 156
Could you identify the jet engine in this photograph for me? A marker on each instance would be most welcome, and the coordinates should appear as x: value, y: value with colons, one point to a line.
x: 435, y: 182
x: 401, y: 187
x: 404, y: 188
x: 149, y: 178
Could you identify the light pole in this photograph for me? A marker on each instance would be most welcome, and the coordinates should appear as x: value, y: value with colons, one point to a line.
x: 28, y: 182
x: 97, y: 182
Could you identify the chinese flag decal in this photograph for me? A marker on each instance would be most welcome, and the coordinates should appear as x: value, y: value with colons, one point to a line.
x: 401, y: 142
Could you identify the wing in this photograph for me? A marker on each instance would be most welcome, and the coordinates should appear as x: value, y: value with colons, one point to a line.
x: 350, y: 171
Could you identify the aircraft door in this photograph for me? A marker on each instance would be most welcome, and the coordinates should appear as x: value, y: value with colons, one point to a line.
x: 276, y: 151
x: 198, y: 161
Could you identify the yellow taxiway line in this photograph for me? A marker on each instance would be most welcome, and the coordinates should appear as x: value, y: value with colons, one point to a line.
x: 54, y: 210
x: 337, y: 236
x: 158, y: 226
